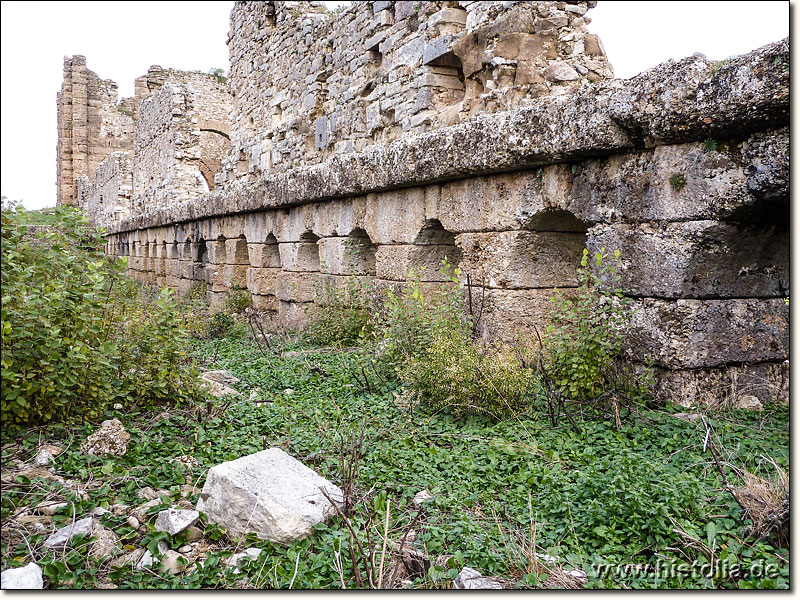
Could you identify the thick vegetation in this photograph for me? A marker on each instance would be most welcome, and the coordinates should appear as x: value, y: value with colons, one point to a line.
x: 77, y: 335
x: 411, y: 402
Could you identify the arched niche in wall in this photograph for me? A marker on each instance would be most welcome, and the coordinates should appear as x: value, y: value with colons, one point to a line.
x: 434, y: 248
x: 359, y: 255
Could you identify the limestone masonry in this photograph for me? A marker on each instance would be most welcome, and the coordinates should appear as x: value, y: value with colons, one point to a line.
x: 390, y: 135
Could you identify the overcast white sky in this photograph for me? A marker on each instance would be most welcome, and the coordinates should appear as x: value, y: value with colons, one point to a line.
x: 122, y: 39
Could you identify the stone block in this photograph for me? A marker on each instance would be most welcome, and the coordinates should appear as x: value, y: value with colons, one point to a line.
x: 236, y: 252
x: 292, y: 315
x: 216, y: 251
x: 28, y: 577
x: 695, y: 334
x: 394, y: 262
x: 235, y: 276
x: 347, y: 256
x: 262, y: 281
x: 296, y: 287
x: 265, y: 303
x: 174, y: 520
x: 522, y: 259
x: 497, y: 202
x: 722, y: 386
x: 506, y: 313
x: 299, y: 256
x: 439, y: 52
x: 264, y: 255
x: 395, y: 217
x: 699, y: 259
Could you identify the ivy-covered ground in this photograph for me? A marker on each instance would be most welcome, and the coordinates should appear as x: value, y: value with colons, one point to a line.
x: 639, y: 507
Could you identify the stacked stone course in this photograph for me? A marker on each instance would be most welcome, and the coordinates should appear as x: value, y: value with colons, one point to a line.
x: 683, y: 168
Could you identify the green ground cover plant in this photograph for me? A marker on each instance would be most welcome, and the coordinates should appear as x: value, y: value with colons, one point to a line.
x: 595, y: 497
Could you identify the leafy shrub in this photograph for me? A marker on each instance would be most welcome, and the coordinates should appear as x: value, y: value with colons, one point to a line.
x: 341, y: 316
x: 583, y: 345
x: 456, y: 373
x: 220, y: 324
x: 77, y: 335
x: 238, y: 300
x: 424, y: 341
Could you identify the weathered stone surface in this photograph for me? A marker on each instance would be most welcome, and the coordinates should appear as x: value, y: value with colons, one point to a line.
x: 470, y: 579
x: 522, y: 259
x: 722, y: 386
x: 267, y: 493
x: 28, y: 577
x: 43, y: 458
x: 173, y: 521
x: 692, y: 334
x: 235, y: 561
x: 64, y: 535
x: 106, y: 545
x: 699, y: 259
x: 110, y: 440
x: 296, y: 287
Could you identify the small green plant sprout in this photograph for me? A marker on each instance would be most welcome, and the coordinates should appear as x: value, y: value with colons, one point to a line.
x: 709, y: 145
x: 677, y: 181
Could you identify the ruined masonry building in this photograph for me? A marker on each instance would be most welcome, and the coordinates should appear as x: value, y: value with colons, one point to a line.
x: 390, y: 135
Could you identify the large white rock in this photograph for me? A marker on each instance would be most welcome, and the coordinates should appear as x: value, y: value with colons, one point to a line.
x: 175, y: 520
x: 268, y: 493
x: 28, y: 577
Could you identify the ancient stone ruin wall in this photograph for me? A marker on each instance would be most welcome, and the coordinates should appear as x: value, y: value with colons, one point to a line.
x: 180, y: 142
x: 107, y: 197
x: 309, y: 84
x: 90, y: 126
x: 382, y: 139
x: 683, y: 168
x: 175, y: 135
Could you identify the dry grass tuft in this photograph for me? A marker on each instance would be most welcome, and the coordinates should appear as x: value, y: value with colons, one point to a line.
x: 766, y: 503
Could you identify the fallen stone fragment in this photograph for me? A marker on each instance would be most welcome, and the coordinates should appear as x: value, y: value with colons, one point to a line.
x: 268, y: 493
x: 106, y: 545
x: 216, y: 382
x: 50, y: 508
x: 221, y: 376
x: 193, y: 534
x: 148, y: 493
x: 132, y: 522
x: 688, y: 417
x: 119, y: 509
x: 173, y: 562
x: 140, y: 512
x: 470, y: 579
x: 174, y: 521
x: 147, y: 559
x: 189, y: 461
x: 52, y: 449
x: 38, y: 522
x: 130, y: 558
x: 99, y: 511
x: 749, y: 402
x: 237, y: 559
x: 43, y: 458
x: 64, y: 535
x: 560, y: 71
x: 28, y: 577
x: 420, y: 497
x: 110, y: 440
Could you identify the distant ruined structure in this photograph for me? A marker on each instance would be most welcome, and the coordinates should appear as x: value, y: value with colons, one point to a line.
x: 390, y: 135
